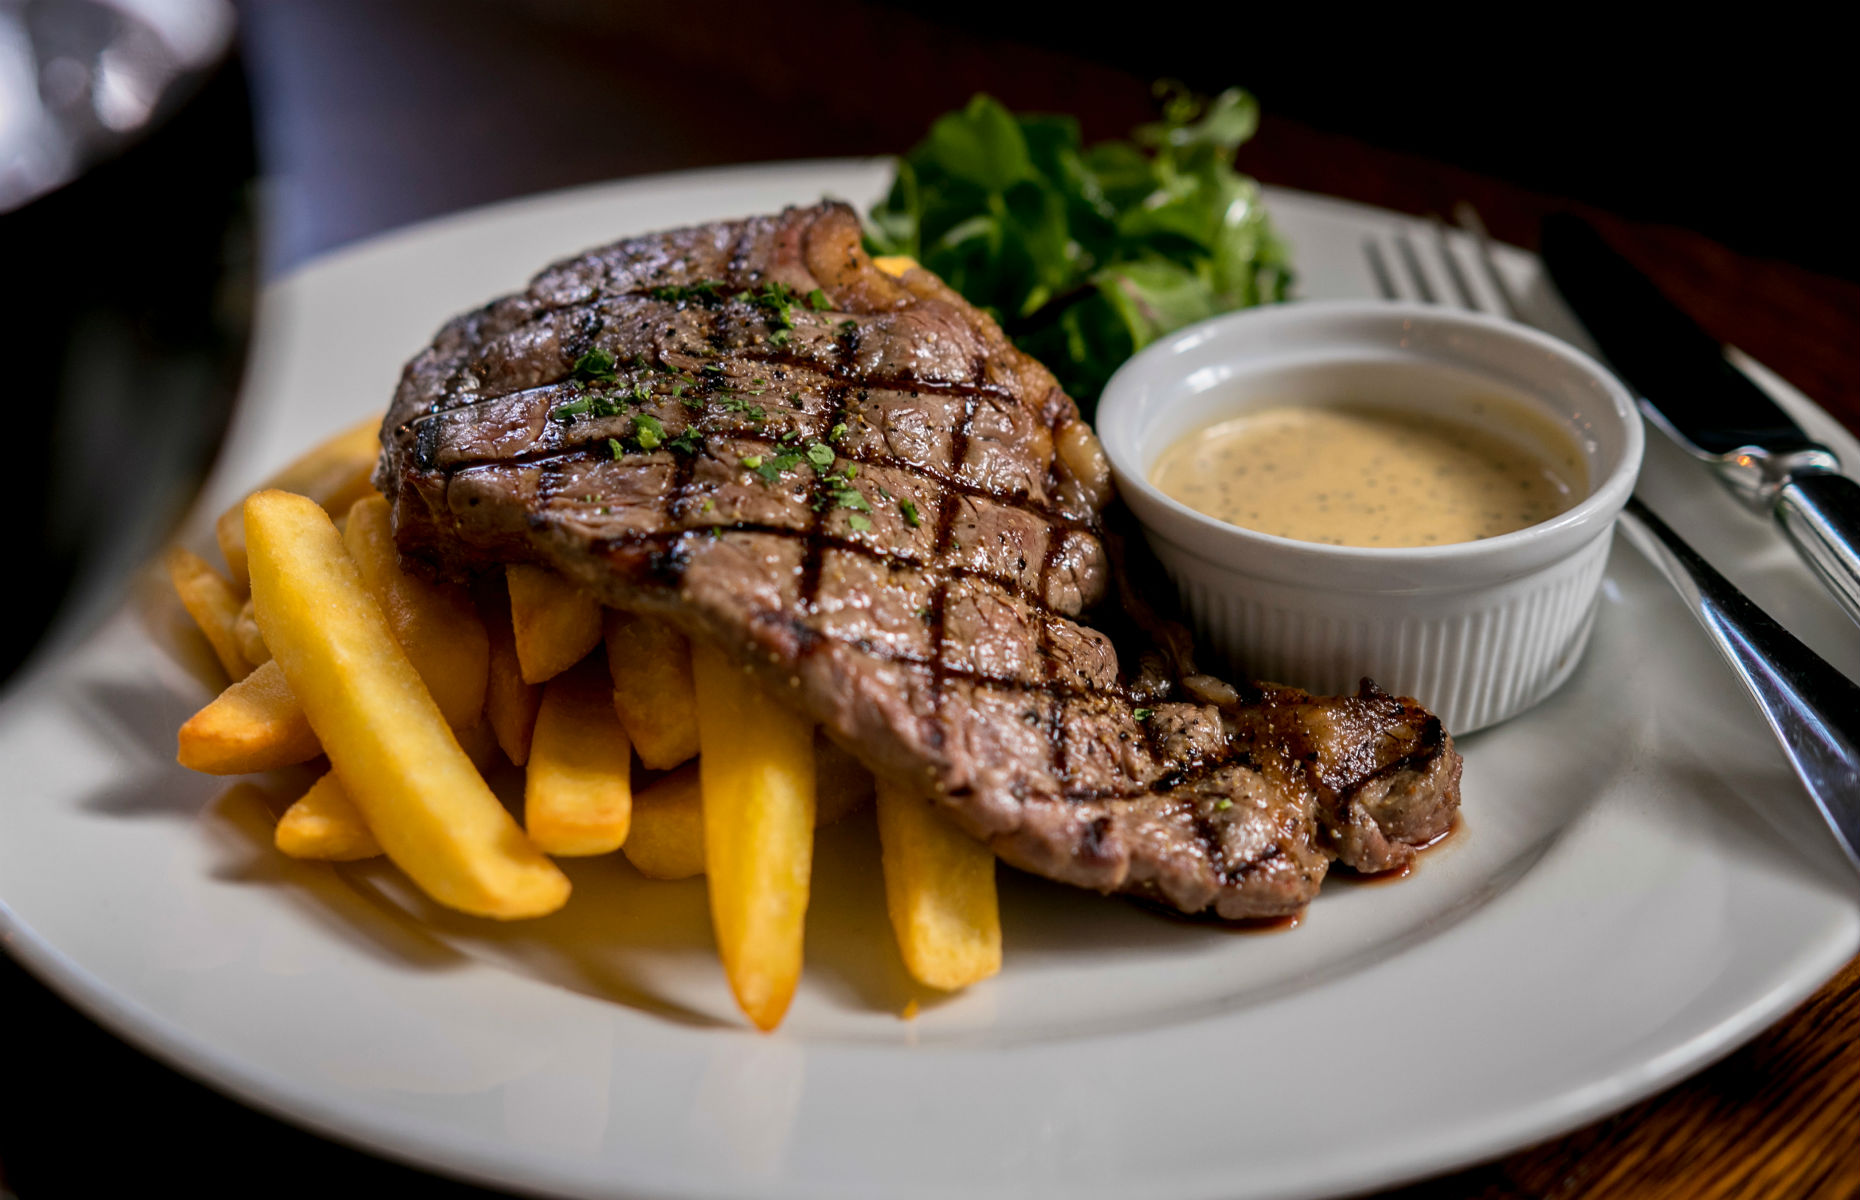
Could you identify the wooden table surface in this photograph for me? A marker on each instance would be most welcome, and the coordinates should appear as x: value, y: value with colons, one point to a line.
x: 373, y: 114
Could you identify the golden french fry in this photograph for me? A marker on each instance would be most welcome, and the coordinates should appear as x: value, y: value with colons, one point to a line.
x: 578, y: 789
x: 894, y: 264
x: 509, y: 703
x: 651, y: 666
x: 386, y: 738
x: 841, y: 782
x: 214, y: 605
x: 435, y: 623
x: 556, y: 623
x: 324, y: 823
x: 254, y: 725
x: 667, y: 838
x: 439, y: 623
x: 251, y: 643
x: 335, y: 474
x: 940, y: 891
x: 757, y: 774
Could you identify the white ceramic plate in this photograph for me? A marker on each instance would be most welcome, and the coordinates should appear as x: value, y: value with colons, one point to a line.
x: 1639, y: 886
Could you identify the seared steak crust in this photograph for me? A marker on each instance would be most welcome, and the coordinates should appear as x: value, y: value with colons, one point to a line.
x: 860, y: 487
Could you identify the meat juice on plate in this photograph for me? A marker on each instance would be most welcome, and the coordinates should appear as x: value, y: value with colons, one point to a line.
x: 1357, y: 475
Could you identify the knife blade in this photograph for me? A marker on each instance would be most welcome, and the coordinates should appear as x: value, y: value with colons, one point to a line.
x: 1696, y: 397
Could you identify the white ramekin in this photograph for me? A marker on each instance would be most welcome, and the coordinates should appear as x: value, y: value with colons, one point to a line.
x: 1477, y: 631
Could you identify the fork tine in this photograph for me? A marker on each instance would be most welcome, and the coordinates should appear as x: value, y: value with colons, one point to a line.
x: 1443, y: 246
x: 1423, y: 286
x: 1467, y: 217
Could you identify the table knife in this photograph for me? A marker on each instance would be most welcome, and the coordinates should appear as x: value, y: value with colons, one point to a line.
x: 1709, y: 407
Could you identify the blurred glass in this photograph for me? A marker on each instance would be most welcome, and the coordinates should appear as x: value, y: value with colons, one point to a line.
x: 126, y: 286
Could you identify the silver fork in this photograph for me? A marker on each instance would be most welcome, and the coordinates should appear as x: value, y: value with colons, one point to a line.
x: 1813, y: 709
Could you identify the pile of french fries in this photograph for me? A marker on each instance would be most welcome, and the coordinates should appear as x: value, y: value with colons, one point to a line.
x: 414, y: 689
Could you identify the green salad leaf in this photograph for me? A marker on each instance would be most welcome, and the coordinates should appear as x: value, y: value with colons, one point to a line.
x: 1086, y: 254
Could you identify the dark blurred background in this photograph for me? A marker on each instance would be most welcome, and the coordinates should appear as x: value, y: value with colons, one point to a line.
x: 385, y: 109
x: 1712, y: 150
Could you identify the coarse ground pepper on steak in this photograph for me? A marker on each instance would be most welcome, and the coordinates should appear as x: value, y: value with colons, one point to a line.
x: 856, y: 485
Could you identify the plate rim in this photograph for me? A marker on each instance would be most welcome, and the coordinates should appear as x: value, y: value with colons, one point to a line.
x: 406, y: 1140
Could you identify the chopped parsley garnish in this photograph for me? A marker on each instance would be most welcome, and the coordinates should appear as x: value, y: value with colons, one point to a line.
x: 777, y: 298
x: 707, y: 505
x: 594, y: 404
x: 820, y: 455
x: 817, y: 300
x: 737, y: 404
x: 859, y: 523
x: 704, y: 291
x: 595, y: 365
x: 836, y: 433
x: 647, y: 432
x: 615, y: 448
x: 848, y: 325
x: 779, y: 337
x: 771, y: 468
x: 1144, y: 714
x: 908, y: 507
x: 688, y: 442
x: 1224, y: 805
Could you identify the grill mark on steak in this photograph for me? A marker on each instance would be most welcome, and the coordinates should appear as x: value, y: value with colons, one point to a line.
x: 597, y: 449
x: 972, y: 655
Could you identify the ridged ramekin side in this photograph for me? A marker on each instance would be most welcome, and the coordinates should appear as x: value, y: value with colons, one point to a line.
x: 1474, y: 657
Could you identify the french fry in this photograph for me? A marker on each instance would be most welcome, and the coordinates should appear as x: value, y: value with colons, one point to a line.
x: 578, y: 790
x: 254, y: 725
x: 556, y: 623
x: 435, y: 623
x: 667, y: 838
x: 251, y: 643
x: 940, y: 892
x: 335, y: 474
x: 324, y: 824
x: 650, y: 662
x: 757, y: 775
x: 439, y: 624
x: 385, y: 736
x: 510, y: 704
x: 214, y: 605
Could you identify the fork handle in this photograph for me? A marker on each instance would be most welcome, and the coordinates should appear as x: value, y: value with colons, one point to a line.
x: 1813, y: 709
x: 1820, y: 511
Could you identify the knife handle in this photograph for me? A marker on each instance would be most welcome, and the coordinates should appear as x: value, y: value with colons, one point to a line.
x: 1820, y: 511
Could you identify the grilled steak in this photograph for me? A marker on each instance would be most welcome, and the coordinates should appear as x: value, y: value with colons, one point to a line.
x: 857, y: 485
